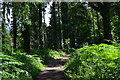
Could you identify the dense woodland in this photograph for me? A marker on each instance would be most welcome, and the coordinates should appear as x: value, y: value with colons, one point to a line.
x: 25, y: 36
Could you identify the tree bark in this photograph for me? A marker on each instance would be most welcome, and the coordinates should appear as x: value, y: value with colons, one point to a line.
x: 106, y: 21
x: 26, y: 37
x: 14, y: 30
x: 3, y: 24
x: 72, y: 41
x: 40, y: 25
x: 54, y: 27
x: 59, y: 25
x: 64, y: 19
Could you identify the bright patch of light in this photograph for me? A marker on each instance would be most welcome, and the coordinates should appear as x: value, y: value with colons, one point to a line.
x: 47, y: 14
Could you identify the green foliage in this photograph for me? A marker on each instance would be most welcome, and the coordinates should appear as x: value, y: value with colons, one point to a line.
x: 19, y: 66
x: 7, y: 49
x: 94, y: 62
x: 67, y: 43
x: 47, y: 54
x: 32, y: 64
x: 12, y: 69
x: 22, y: 66
x: 117, y: 44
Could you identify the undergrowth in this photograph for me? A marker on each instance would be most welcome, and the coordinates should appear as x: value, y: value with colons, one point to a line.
x: 47, y: 54
x: 96, y: 62
x: 23, y: 66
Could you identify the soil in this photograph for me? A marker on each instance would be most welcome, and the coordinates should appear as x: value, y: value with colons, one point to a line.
x: 54, y: 70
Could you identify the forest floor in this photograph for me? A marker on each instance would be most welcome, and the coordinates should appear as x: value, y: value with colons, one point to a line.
x: 54, y: 70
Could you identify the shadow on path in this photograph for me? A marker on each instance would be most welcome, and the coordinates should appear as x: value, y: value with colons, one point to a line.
x: 54, y: 70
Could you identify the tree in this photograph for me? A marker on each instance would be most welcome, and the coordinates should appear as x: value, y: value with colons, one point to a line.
x: 3, y: 24
x: 64, y: 19
x: 21, y: 11
x: 14, y: 30
x: 54, y: 26
x: 26, y: 37
x: 104, y: 9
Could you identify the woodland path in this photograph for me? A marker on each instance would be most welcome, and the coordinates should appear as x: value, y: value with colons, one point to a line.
x: 54, y: 69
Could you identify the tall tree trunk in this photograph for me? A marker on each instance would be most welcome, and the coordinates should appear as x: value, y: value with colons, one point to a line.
x: 54, y: 27
x: 64, y: 19
x: 72, y: 40
x: 3, y: 24
x: 35, y: 36
x: 59, y: 25
x: 14, y: 30
x: 26, y: 36
x: 40, y: 25
x: 0, y: 29
x: 44, y: 43
x: 106, y: 22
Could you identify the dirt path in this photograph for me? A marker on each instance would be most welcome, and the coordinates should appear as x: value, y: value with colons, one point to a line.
x: 54, y: 70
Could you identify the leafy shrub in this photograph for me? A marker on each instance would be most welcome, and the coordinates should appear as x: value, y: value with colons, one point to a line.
x: 32, y: 64
x: 7, y: 49
x: 117, y: 45
x: 22, y: 66
x: 12, y: 69
x: 47, y: 54
x: 17, y: 65
x: 94, y: 62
